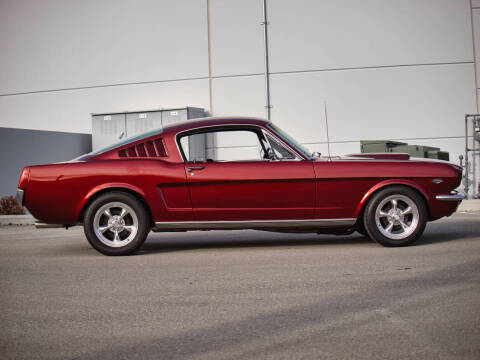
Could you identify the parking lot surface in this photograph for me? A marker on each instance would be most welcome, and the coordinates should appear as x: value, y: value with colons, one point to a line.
x: 242, y: 295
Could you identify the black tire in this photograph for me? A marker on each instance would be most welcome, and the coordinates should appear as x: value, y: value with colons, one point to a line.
x: 360, y: 228
x: 121, y: 232
x: 395, y: 216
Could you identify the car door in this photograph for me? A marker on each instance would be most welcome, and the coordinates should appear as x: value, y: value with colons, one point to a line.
x: 231, y: 177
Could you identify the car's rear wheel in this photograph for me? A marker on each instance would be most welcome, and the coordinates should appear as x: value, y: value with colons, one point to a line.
x: 395, y: 216
x: 116, y: 223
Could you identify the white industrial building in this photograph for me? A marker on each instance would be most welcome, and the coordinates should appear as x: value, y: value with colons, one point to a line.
x: 386, y: 69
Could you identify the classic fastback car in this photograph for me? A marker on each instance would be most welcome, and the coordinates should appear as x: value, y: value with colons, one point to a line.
x: 236, y: 173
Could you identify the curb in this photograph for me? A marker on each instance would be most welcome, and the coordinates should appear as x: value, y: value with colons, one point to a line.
x: 469, y: 206
x: 6, y: 220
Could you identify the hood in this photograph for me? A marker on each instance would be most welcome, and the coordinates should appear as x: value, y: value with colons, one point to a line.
x: 374, y: 157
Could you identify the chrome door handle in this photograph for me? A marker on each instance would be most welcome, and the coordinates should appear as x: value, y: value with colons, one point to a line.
x: 191, y: 168
x: 121, y: 134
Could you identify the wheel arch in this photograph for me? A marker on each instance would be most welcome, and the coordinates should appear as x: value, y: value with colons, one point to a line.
x: 106, y: 188
x: 388, y: 183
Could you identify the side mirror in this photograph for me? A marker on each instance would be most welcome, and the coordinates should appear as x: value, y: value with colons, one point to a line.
x: 316, y: 155
x: 271, y: 154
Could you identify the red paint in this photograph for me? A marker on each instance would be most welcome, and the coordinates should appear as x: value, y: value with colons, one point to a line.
x: 305, y: 189
x: 253, y: 190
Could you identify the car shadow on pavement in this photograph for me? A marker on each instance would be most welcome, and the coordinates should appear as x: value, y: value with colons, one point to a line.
x: 158, y: 243
x: 436, y: 232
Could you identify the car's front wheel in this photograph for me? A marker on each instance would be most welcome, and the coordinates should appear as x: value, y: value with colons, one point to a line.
x: 395, y: 216
x: 116, y: 223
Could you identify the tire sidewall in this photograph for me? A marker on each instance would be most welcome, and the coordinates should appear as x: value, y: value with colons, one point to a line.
x: 369, y: 216
x: 138, y: 208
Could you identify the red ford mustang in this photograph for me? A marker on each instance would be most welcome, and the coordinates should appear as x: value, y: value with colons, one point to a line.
x: 236, y: 173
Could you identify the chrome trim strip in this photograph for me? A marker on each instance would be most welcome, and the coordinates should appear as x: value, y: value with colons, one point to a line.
x: 19, y: 196
x: 452, y: 197
x: 252, y: 224
x: 41, y: 225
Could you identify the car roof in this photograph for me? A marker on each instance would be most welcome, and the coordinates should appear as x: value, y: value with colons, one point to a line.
x: 180, y: 126
x: 209, y: 121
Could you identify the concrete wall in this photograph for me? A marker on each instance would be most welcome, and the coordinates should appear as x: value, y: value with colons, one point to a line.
x: 387, y: 69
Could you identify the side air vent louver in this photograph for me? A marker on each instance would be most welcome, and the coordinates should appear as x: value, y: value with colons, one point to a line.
x: 150, y: 149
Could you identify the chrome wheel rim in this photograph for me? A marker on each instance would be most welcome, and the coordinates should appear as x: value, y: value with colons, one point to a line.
x: 397, y: 217
x: 115, y: 224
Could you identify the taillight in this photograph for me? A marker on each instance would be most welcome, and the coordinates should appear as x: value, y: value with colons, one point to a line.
x: 22, y: 184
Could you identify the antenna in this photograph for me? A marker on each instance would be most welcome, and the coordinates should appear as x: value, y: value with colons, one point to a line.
x: 326, y: 124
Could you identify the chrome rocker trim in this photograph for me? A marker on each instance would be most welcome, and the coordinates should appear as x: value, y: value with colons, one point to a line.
x: 252, y: 224
x: 451, y: 197
x: 41, y: 225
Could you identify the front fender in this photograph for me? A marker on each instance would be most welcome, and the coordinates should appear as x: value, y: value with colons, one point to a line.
x: 389, y: 182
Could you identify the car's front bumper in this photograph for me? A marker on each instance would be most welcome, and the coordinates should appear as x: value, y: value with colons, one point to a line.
x: 20, y: 195
x: 453, y: 196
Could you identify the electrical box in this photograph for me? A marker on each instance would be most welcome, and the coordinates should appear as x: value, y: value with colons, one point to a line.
x: 418, y: 151
x: 378, y: 146
x: 141, y: 122
x: 108, y: 129
x: 440, y: 155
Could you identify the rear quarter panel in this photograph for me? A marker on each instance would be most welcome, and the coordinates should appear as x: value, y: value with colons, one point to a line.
x: 57, y: 193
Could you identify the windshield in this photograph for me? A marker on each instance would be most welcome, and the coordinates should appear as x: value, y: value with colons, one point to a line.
x: 126, y: 141
x: 299, y: 147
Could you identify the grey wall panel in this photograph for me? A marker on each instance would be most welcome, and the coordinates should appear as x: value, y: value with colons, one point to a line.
x: 56, y: 44
x: 236, y: 37
x: 239, y: 96
x: 71, y: 111
x: 20, y: 148
x: 308, y: 34
x: 478, y: 97
x: 476, y: 3
x: 476, y: 39
x: 402, y: 102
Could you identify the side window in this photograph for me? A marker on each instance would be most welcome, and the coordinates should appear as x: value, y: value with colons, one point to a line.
x: 280, y: 152
x: 232, y: 145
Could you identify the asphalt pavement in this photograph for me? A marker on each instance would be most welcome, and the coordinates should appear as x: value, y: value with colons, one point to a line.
x: 242, y: 295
